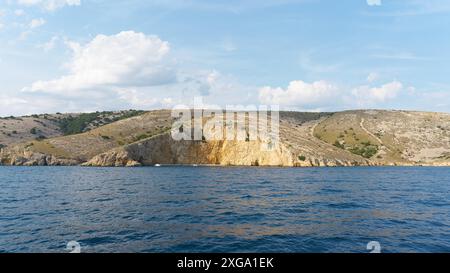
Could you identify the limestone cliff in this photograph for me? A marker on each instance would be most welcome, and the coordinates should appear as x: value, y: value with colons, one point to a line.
x: 23, y: 157
x: 163, y: 149
x: 351, y: 138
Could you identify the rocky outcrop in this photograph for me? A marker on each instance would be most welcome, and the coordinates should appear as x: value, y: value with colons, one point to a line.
x: 164, y: 150
x: 23, y: 157
x: 115, y: 158
x: 351, y: 138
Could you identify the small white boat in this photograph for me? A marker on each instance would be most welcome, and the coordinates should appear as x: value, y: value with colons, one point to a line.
x: 157, y: 165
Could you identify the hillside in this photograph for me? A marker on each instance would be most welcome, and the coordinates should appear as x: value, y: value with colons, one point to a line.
x: 350, y: 138
x: 38, y: 127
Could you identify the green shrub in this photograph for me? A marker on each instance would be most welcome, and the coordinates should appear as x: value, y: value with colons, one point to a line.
x: 29, y: 145
x: 339, y: 145
x: 141, y: 137
x: 365, y: 151
x: 302, y: 158
x: 76, y: 125
x: 366, y: 144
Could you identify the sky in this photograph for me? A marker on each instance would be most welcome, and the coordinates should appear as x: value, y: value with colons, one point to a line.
x: 305, y: 55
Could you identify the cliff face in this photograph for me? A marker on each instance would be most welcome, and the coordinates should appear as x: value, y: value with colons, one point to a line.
x: 23, y: 157
x: 164, y: 150
x: 352, y: 138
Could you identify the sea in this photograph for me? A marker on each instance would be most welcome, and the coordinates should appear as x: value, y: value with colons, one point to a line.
x: 195, y: 209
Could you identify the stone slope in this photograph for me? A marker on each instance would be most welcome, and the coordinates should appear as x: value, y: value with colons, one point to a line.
x: 350, y: 138
x: 14, y: 130
x: 394, y: 137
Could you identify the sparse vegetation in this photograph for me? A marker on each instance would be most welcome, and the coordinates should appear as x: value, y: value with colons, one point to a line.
x: 366, y: 151
x: 75, y: 125
x: 128, y: 114
x: 391, y: 139
x: 29, y: 145
x: 339, y: 144
x: 141, y: 137
x: 78, y: 124
x: 445, y: 156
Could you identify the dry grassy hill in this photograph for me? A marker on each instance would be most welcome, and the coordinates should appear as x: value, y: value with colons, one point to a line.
x: 390, y: 136
x: 21, y: 129
x: 348, y: 138
x: 15, y: 130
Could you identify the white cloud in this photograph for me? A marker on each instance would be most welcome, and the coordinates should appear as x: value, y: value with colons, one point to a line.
x: 35, y: 23
x: 366, y: 95
x: 325, y: 96
x: 50, y: 44
x: 374, y: 2
x: 123, y: 60
x: 131, y: 70
x: 49, y: 5
x: 372, y: 77
x: 299, y: 93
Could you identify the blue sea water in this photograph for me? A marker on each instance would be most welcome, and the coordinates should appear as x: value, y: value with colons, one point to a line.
x: 206, y: 209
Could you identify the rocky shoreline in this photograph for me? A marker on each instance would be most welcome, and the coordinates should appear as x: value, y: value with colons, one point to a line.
x: 124, y: 159
x: 351, y: 138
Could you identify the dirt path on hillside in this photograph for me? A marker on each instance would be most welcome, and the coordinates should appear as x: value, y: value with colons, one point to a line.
x: 361, y: 124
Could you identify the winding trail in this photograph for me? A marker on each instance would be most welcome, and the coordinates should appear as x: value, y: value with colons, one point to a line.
x: 361, y: 124
x: 313, y: 129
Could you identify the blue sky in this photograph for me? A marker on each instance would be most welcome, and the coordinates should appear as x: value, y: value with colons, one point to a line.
x: 309, y: 55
